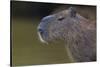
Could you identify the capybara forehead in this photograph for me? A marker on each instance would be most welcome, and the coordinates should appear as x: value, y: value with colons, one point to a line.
x: 62, y: 14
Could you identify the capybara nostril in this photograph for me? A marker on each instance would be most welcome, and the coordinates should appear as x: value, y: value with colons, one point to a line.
x: 40, y: 31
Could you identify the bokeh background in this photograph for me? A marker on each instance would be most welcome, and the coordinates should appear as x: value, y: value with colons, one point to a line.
x: 25, y: 44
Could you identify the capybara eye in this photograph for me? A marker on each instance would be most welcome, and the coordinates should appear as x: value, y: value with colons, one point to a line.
x: 61, y: 18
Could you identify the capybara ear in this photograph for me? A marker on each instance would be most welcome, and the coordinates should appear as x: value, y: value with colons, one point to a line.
x: 72, y: 11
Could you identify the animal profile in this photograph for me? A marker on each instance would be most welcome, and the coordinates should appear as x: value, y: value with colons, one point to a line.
x: 77, y: 33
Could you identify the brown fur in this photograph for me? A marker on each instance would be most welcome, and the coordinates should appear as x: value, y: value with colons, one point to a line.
x: 78, y: 33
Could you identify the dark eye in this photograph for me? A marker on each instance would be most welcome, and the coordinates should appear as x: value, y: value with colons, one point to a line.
x: 61, y: 18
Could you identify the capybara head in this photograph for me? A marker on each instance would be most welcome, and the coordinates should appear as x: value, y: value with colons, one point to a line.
x: 56, y: 26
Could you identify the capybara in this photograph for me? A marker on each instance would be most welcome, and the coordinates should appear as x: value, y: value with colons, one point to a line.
x: 77, y: 33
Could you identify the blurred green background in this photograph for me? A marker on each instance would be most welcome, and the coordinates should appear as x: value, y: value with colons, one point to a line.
x: 26, y: 46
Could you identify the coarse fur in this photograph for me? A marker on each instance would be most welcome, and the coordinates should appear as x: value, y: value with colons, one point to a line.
x: 77, y: 32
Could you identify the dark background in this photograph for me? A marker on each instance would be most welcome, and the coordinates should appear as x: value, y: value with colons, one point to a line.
x: 26, y: 46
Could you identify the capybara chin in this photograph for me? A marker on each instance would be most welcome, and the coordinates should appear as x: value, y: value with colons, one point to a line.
x: 77, y: 33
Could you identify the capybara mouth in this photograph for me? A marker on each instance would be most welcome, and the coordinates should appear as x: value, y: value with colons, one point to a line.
x: 40, y: 34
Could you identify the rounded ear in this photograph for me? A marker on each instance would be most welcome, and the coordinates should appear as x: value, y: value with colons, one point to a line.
x: 72, y: 11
